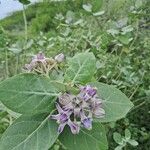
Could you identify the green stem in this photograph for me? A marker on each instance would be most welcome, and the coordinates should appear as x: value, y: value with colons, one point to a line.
x: 17, y: 64
x: 6, y: 63
x: 25, y: 24
x: 26, y: 30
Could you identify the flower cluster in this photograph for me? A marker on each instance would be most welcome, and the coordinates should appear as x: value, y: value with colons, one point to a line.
x: 78, y: 111
x: 42, y: 64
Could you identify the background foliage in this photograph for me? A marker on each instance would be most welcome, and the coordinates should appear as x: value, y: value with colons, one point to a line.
x: 116, y: 31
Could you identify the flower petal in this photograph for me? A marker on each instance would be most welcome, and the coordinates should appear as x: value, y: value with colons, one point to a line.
x: 75, y: 128
x: 61, y: 127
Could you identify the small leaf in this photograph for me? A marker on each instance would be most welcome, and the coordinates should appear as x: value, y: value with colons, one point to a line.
x: 85, y: 140
x: 25, y: 2
x: 133, y: 142
x: 124, y: 39
x: 119, y: 147
x: 36, y: 132
x: 98, y: 13
x: 127, y: 29
x: 28, y: 93
x: 15, y: 50
x: 113, y: 32
x: 117, y: 137
x: 81, y: 68
x: 87, y: 7
x: 127, y: 134
x: 115, y: 103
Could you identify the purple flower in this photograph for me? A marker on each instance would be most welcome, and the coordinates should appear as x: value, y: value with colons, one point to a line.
x: 40, y: 57
x: 62, y: 116
x: 87, y: 92
x: 60, y: 57
x: 81, y: 107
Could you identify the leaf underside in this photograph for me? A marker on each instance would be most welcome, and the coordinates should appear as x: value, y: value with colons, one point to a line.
x: 36, y: 132
x: 28, y: 93
x: 85, y: 140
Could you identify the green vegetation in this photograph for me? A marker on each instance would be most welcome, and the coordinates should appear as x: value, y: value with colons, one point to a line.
x: 116, y: 31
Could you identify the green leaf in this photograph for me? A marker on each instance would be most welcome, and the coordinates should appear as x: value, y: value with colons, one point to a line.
x: 81, y: 68
x: 115, y: 103
x: 87, y: 7
x: 99, y: 13
x: 85, y: 140
x: 25, y: 2
x: 117, y: 137
x: 127, y: 134
x: 120, y: 147
x: 28, y: 93
x: 36, y: 132
x: 133, y: 142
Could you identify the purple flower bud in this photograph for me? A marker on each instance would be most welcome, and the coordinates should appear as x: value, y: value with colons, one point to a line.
x: 87, y: 123
x: 65, y: 99
x: 40, y: 56
x: 29, y: 67
x: 60, y: 57
x: 96, y: 107
x: 99, y: 112
x: 91, y: 91
x: 75, y: 128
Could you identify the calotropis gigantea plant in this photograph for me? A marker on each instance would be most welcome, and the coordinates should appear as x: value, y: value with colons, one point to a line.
x: 71, y: 110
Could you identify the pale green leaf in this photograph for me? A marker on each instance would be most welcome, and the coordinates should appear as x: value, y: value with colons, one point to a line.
x: 117, y: 137
x: 87, y: 7
x: 81, y: 68
x: 115, y: 103
x: 133, y: 142
x: 85, y: 140
x: 99, y: 13
x: 28, y: 93
x: 127, y: 134
x: 36, y: 132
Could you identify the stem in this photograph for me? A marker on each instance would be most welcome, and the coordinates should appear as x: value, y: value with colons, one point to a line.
x: 17, y: 64
x: 6, y: 64
x: 26, y: 31
x: 137, y: 106
x: 25, y: 24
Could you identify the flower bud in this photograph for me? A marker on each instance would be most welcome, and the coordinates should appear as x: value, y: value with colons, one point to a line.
x: 60, y: 57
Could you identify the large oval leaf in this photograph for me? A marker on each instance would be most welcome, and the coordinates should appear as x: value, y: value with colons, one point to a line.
x: 28, y: 93
x: 36, y: 132
x: 115, y: 103
x: 81, y: 68
x: 85, y: 140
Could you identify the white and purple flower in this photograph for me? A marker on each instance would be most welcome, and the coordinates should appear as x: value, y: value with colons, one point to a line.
x: 78, y: 111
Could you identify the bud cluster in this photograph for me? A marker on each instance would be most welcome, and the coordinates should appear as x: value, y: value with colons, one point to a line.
x: 78, y: 111
x: 42, y: 64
